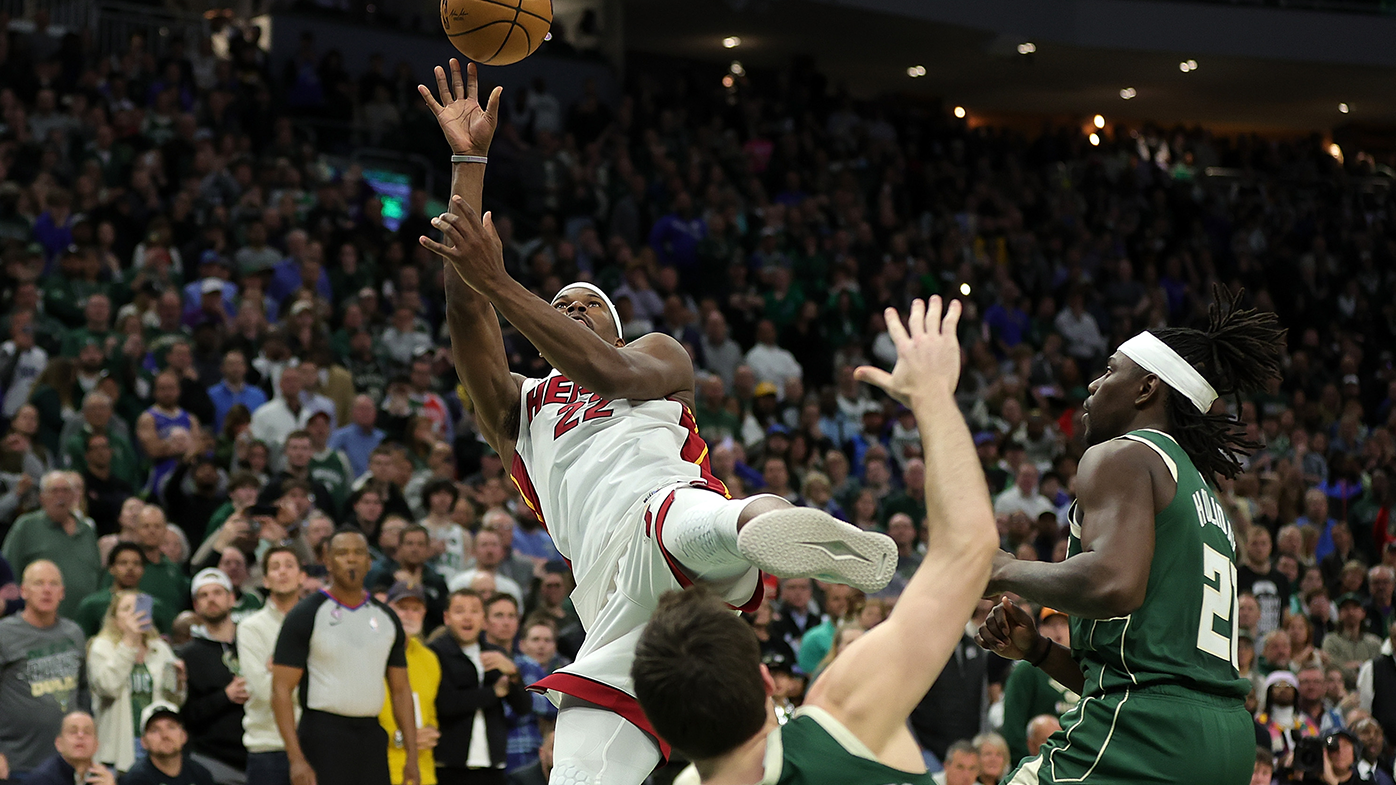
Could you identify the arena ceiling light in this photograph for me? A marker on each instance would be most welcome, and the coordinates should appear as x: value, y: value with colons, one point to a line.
x: 737, y: 68
x: 1027, y: 48
x: 1128, y: 93
x: 916, y: 71
x: 1094, y: 139
x: 1187, y: 66
x: 960, y: 112
x: 1344, y: 108
x: 1098, y: 121
x: 731, y: 42
x: 964, y: 289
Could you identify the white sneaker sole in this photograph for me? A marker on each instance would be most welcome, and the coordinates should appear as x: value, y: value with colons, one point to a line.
x: 803, y: 543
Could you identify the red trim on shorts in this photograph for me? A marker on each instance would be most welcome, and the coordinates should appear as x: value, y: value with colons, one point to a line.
x: 674, y: 567
x: 605, y: 696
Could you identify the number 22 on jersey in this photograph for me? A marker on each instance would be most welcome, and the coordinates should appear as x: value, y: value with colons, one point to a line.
x: 1218, y: 605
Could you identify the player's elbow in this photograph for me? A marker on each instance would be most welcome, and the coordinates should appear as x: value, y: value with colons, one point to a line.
x: 1120, y: 598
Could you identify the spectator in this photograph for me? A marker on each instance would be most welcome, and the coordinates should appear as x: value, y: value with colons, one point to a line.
x: 452, y: 547
x: 489, y: 555
x: 166, y: 430
x: 993, y: 757
x: 126, y: 565
x: 409, y: 566
x: 163, y: 579
x: 721, y: 355
x: 233, y: 389
x: 256, y: 635
x: 1381, y: 581
x: 1041, y: 728
x: 839, y: 603
x: 903, y: 533
x: 1316, y: 516
x: 957, y: 703
x: 328, y: 467
x: 1313, y: 687
x: 1341, y: 553
x: 164, y: 738
x: 501, y: 622
x: 769, y: 361
x: 476, y: 680
x: 1024, y: 495
x: 77, y: 747
x: 97, y: 418
x: 129, y: 668
x: 56, y: 534
x: 1258, y: 577
x: 796, y: 612
x: 1349, y: 645
x: 338, y: 737
x: 298, y: 451
x: 358, y: 439
x: 536, y: 659
x: 961, y: 764
x: 36, y: 640
x: 21, y: 362
x: 424, y: 675
x: 106, y: 491
x: 537, y: 772
x: 285, y: 414
x: 213, y: 710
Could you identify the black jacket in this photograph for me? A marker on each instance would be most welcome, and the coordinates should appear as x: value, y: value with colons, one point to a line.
x: 214, y: 723
x: 461, y: 694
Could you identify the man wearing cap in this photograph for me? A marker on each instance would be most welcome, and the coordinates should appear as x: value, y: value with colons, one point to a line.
x: 213, y: 712
x: 1348, y: 646
x: 1029, y: 692
x: 409, y: 602
x: 1280, y: 717
x: 199, y: 299
x: 282, y: 577
x: 164, y: 737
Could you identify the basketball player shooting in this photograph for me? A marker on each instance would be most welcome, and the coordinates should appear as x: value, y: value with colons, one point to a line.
x: 605, y: 450
x: 698, y: 669
x: 1150, y: 576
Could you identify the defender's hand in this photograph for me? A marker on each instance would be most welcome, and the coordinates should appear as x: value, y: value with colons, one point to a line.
x: 468, y: 127
x: 928, y: 351
x: 472, y: 245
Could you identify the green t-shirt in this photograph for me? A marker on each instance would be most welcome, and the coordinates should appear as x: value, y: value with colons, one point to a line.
x: 142, y: 692
x: 1028, y: 692
x: 93, y: 610
x: 813, y: 748
x: 35, y: 536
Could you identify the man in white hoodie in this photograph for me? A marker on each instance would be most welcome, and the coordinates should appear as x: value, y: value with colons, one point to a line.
x: 282, y: 576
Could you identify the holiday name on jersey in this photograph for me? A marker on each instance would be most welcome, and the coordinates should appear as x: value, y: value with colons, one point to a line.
x: 1210, y: 511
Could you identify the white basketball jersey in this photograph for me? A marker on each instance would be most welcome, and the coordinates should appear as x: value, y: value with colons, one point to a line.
x: 583, y: 463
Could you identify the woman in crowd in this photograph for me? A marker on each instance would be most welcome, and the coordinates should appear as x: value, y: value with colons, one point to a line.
x: 993, y: 757
x: 128, y: 667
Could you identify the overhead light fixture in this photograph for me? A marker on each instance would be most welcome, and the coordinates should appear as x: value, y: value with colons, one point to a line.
x: 1192, y: 65
x: 1187, y: 65
x: 731, y: 42
x: 916, y: 71
x: 736, y: 68
x: 960, y: 112
x: 1027, y: 48
x: 964, y: 289
x: 1128, y: 93
x: 1098, y: 121
x: 1336, y: 151
x: 1094, y: 139
x: 1344, y: 108
x: 728, y: 81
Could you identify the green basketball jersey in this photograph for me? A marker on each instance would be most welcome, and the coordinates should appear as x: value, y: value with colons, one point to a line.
x: 1185, y: 632
x: 813, y: 748
x: 332, y: 470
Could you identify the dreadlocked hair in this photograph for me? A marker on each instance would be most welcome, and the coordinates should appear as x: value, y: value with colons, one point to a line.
x: 1239, y: 352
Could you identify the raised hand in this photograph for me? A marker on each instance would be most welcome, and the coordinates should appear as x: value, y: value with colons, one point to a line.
x: 472, y: 245
x: 928, y: 352
x: 469, y: 128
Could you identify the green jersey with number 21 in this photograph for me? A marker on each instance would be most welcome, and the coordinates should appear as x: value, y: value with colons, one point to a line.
x: 1185, y: 632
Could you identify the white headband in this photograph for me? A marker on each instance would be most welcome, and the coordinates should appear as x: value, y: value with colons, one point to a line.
x: 1158, y: 358
x: 615, y: 317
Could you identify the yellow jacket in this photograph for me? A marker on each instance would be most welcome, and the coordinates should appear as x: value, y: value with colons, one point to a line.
x: 424, y: 674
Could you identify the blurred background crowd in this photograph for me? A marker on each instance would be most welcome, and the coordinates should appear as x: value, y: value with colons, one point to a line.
x: 223, y: 341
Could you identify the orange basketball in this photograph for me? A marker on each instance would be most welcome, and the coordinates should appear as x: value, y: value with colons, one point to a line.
x: 496, y: 32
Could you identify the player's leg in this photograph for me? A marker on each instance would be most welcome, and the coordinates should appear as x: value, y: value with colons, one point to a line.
x: 595, y: 746
x: 717, y: 540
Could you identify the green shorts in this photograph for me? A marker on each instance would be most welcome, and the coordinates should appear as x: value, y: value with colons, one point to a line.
x: 1161, y: 734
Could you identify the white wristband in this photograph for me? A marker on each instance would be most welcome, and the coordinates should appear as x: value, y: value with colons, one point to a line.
x: 469, y: 159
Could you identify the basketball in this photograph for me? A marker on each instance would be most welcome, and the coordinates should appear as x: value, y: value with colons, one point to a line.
x: 496, y: 32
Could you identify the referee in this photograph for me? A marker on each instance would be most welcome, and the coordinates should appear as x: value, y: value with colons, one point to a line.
x: 336, y: 645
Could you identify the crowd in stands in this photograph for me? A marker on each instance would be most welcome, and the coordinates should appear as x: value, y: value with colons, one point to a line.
x: 217, y: 353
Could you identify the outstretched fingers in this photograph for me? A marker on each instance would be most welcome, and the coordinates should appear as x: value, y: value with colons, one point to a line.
x: 951, y: 321
x: 916, y: 322
x: 492, y: 108
x: 895, y: 328
x: 429, y: 98
x: 442, y: 88
x: 458, y: 88
x: 933, y: 307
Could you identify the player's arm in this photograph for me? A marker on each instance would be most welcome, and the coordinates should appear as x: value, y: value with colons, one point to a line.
x: 1116, y: 496
x: 873, y: 686
x: 655, y: 366
x: 1010, y: 632
x: 477, y: 345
